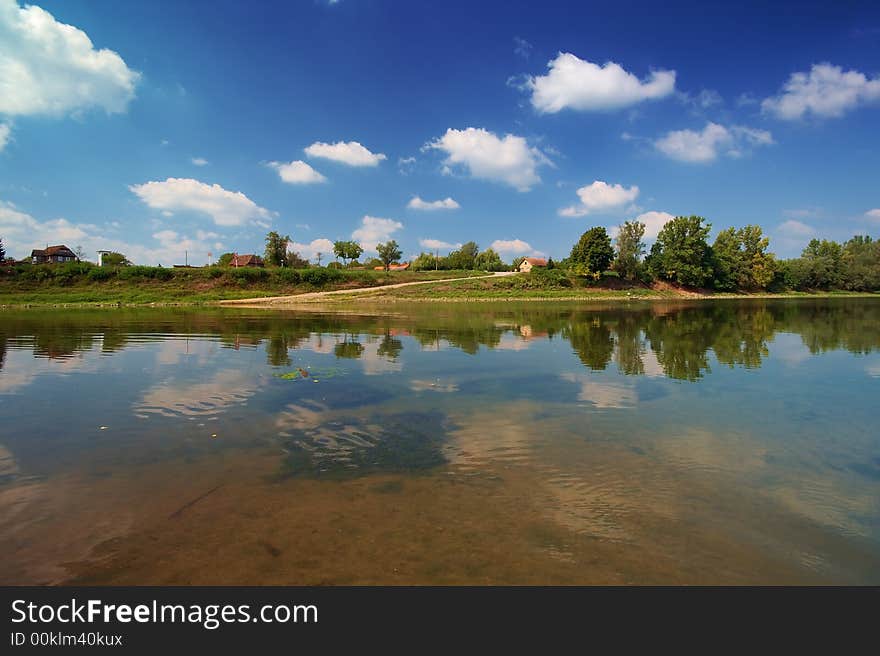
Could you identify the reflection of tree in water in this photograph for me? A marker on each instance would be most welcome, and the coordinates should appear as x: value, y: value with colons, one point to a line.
x: 743, y: 337
x: 681, y: 342
x: 277, y: 350
x: 630, y: 345
x: 592, y: 341
x: 2, y: 351
x: 390, y: 347
x: 349, y: 348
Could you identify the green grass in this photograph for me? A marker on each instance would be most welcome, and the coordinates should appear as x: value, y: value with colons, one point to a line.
x: 84, y: 284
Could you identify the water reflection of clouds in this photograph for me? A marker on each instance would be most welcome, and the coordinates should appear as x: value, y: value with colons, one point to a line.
x: 790, y: 349
x: 226, y: 388
x: 603, y: 394
x: 21, y: 367
x: 432, y: 386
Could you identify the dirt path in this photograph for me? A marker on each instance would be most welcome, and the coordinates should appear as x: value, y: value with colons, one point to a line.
x: 308, y: 296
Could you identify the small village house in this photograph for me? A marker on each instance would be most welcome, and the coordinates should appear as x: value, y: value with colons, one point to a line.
x: 249, y: 260
x: 530, y: 263
x: 52, y: 254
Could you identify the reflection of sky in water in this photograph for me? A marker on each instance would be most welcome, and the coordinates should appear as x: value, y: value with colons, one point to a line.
x: 612, y: 413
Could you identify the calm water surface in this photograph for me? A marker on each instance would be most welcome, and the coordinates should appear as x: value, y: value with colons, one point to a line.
x: 654, y: 443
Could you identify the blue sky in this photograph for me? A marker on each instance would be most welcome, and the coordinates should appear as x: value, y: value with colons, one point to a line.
x: 163, y: 127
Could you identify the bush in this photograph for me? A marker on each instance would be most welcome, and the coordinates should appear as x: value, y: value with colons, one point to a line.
x: 289, y: 276
x: 144, y: 273
x: 101, y: 274
x: 247, y: 275
x: 215, y: 272
x: 320, y: 276
x: 551, y: 277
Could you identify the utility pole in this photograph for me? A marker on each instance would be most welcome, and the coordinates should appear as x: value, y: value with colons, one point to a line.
x: 319, y: 259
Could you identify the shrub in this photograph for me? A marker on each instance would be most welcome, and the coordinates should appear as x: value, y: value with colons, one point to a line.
x: 320, y: 276
x: 289, y: 276
x: 101, y: 273
x: 144, y: 273
x: 247, y: 275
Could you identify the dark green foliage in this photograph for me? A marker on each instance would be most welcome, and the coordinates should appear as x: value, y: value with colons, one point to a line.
x: 276, y: 249
x: 681, y: 253
x: 144, y: 273
x: 630, y: 249
x: 101, y: 273
x: 489, y: 260
x: 593, y: 252
x: 247, y: 275
x: 114, y: 259
x: 389, y: 252
x: 319, y: 276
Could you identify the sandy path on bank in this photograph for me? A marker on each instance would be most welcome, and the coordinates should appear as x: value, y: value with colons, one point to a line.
x: 308, y: 296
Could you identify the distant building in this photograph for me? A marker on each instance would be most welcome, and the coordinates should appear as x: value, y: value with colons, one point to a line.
x: 403, y: 266
x: 246, y: 261
x: 52, y: 254
x: 531, y: 262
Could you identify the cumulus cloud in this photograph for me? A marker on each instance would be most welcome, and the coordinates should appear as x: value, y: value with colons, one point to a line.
x: 601, y: 196
x: 509, y: 160
x: 573, y: 83
x: 437, y: 245
x: 827, y: 91
x: 22, y: 233
x: 351, y: 153
x: 199, y: 161
x: 714, y: 139
x: 226, y: 208
x: 310, y: 251
x: 50, y: 68
x: 654, y: 222
x: 513, y: 247
x: 794, y: 228
x: 446, y: 204
x: 873, y: 215
x: 374, y: 230
x: 297, y: 172
x: 5, y: 130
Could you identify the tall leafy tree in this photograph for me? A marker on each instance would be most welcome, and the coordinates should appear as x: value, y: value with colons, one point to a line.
x: 276, y: 249
x: 681, y: 253
x: 388, y: 252
x: 347, y: 250
x: 489, y: 260
x: 593, y: 252
x: 630, y: 249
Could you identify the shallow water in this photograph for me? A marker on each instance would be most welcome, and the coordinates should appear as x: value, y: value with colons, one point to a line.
x: 713, y: 442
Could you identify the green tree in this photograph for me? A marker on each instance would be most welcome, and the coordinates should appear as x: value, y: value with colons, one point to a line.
x: 295, y: 261
x: 516, y: 262
x: 860, y: 264
x: 593, y: 252
x: 681, y: 253
x: 225, y: 259
x: 489, y: 260
x: 276, y: 249
x: 114, y: 259
x: 758, y: 265
x: 347, y: 250
x: 823, y: 264
x: 727, y: 251
x: 630, y: 249
x: 463, y: 258
x: 389, y: 252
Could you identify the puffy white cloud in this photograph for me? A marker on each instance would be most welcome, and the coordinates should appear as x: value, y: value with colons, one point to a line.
x: 827, y: 91
x: 310, y: 251
x: 226, y: 208
x: 654, y: 222
x: 199, y: 161
x: 513, y: 247
x: 795, y: 229
x: 22, y: 233
x: 582, y: 85
x: 446, y: 204
x: 874, y: 215
x: 437, y: 245
x: 5, y: 131
x: 712, y: 140
x: 47, y: 67
x: 374, y: 230
x: 351, y: 153
x: 509, y: 160
x: 601, y: 196
x: 297, y: 172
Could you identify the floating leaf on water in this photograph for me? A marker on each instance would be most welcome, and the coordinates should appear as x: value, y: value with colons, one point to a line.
x: 306, y: 372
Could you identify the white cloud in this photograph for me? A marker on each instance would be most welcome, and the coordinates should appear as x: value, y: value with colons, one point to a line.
x: 374, y: 230
x: 509, y: 160
x: 582, y: 85
x: 803, y: 213
x: 310, y: 251
x: 199, y: 161
x: 5, y: 130
x: 437, y: 245
x: 523, y: 48
x: 826, y: 92
x: 513, y: 247
x: 297, y: 172
x: 406, y: 165
x: 600, y: 196
x: 50, y: 68
x: 351, y: 153
x: 226, y: 208
x: 22, y: 233
x: 873, y: 215
x: 446, y: 204
x: 714, y: 139
x: 654, y: 222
